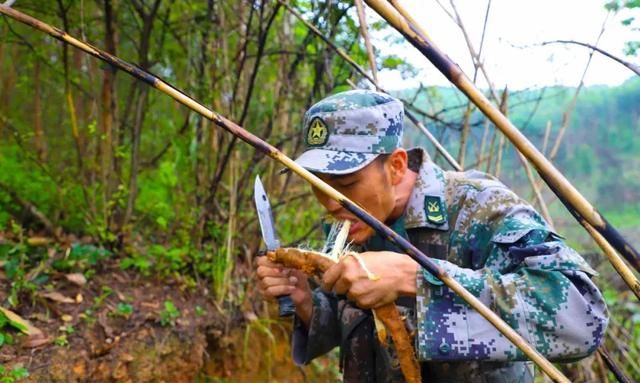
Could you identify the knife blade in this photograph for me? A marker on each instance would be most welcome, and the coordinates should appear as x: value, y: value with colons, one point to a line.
x: 267, y: 227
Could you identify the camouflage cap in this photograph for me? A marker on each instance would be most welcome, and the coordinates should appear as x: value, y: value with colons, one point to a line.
x: 345, y: 132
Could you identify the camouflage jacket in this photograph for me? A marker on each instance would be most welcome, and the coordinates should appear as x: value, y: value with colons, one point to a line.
x: 499, y: 249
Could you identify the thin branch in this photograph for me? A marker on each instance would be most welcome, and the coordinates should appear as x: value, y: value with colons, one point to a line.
x: 31, y: 209
x: 566, y: 117
x: 633, y: 67
x: 262, y: 41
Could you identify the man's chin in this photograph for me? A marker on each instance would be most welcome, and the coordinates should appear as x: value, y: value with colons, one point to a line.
x: 361, y: 237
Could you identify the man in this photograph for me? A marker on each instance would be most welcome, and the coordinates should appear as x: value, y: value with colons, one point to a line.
x: 469, y: 223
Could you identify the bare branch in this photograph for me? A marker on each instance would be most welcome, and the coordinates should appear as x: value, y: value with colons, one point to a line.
x: 31, y: 209
x: 633, y: 67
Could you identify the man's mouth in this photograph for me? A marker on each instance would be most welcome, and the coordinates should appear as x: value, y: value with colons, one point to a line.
x: 355, y: 226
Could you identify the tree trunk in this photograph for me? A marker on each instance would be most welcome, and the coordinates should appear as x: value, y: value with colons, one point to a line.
x: 141, y: 104
x: 109, y: 112
x: 8, y: 82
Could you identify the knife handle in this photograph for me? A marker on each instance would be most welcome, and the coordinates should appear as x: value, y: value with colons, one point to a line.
x: 286, y: 307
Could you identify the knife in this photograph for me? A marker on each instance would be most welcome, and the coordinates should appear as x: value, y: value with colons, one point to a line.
x: 265, y: 217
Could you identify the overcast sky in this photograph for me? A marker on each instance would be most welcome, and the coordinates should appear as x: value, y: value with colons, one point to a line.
x: 510, y: 52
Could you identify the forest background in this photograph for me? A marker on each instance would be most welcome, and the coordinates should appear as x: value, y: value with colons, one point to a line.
x: 123, y: 212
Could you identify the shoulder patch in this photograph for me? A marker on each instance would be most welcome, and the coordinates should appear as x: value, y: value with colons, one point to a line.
x: 317, y: 132
x: 434, y: 210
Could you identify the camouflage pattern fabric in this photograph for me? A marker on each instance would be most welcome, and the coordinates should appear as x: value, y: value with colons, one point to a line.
x: 499, y: 249
x: 345, y: 132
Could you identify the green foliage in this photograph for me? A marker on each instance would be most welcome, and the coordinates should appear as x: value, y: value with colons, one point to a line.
x: 627, y: 6
x: 18, y: 258
x: 138, y: 262
x: 124, y: 310
x: 5, y: 338
x: 624, y: 328
x: 88, y: 316
x: 61, y: 340
x: 24, y: 174
x: 169, y: 314
x: 82, y: 257
x: 177, y: 222
x: 68, y: 329
x: 6, y: 325
x: 106, y: 292
x: 219, y: 271
x: 598, y: 152
x: 12, y: 375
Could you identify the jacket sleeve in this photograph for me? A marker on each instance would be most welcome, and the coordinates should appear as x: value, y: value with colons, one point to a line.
x: 323, y: 333
x: 525, y: 273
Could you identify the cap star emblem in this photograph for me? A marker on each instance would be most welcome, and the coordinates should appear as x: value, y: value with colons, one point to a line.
x: 318, y: 133
x: 317, y: 130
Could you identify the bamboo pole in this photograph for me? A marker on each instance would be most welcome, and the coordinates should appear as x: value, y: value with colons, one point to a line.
x: 620, y: 375
x: 277, y: 155
x: 568, y: 194
x: 616, y: 261
x: 367, y: 42
x: 434, y: 141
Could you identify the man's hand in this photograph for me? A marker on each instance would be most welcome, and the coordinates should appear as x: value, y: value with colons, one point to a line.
x: 396, y: 272
x: 276, y: 280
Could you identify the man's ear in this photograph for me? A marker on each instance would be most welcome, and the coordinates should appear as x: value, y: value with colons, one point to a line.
x: 397, y: 164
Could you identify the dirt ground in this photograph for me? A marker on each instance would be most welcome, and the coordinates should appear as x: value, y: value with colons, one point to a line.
x: 116, y: 328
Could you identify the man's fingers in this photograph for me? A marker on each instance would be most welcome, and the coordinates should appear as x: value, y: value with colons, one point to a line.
x: 268, y: 271
x: 275, y: 281
x: 361, y: 301
x: 276, y: 291
x: 341, y: 286
x: 331, y: 276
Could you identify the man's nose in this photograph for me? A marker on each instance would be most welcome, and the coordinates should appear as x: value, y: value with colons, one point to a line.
x: 332, y: 206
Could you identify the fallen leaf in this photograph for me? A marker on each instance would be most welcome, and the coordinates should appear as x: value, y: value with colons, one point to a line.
x: 36, y: 341
x: 21, y: 324
x: 126, y: 357
x: 77, y: 279
x: 102, y: 320
x: 38, y: 241
x: 79, y: 298
x: 66, y: 318
x: 56, y: 297
x: 150, y: 305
